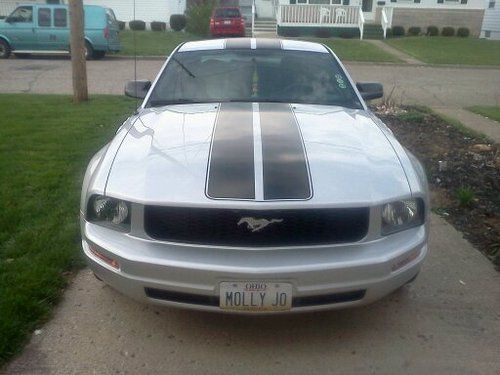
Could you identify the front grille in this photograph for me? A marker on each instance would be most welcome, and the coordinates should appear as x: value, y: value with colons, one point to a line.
x: 289, y: 228
x: 195, y: 299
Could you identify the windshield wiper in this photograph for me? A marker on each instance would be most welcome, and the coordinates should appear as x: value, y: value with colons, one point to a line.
x: 183, y: 67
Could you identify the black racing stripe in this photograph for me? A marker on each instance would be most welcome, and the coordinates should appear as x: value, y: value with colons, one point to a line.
x: 239, y: 43
x: 268, y: 43
x: 285, y: 169
x: 231, y: 171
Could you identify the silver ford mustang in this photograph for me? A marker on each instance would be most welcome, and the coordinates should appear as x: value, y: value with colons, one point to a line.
x: 253, y: 178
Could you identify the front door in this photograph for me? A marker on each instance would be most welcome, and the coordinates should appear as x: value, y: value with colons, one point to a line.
x: 368, y: 9
x: 265, y: 8
x: 21, y: 28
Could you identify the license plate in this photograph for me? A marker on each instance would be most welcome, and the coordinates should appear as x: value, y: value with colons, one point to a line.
x: 227, y: 22
x: 255, y: 296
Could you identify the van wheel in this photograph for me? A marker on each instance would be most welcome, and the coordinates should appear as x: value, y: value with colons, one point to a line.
x: 99, y: 55
x: 89, y: 51
x: 4, y: 49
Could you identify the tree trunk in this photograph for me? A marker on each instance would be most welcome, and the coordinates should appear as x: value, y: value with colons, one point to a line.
x: 78, y: 63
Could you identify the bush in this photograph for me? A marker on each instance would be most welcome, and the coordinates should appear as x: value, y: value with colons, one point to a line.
x: 292, y: 32
x: 432, y: 31
x: 414, y: 30
x: 158, y: 26
x: 463, y: 32
x: 137, y: 25
x: 177, y: 22
x: 448, y: 31
x: 121, y: 25
x: 398, y: 31
x: 388, y: 33
x: 198, y: 18
x: 323, y: 32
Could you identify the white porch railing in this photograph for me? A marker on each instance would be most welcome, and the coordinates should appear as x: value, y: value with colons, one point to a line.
x: 253, y: 18
x: 321, y: 16
x: 386, y: 19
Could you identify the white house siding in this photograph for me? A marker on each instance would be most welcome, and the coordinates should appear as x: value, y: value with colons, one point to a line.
x: 145, y: 10
x: 491, y: 22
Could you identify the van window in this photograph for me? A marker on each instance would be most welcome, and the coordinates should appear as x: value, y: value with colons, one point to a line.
x: 60, y: 17
x: 22, y: 14
x: 110, y: 16
x: 44, y: 15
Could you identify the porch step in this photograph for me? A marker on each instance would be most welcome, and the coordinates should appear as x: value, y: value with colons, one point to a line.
x: 373, y: 31
x: 264, y: 26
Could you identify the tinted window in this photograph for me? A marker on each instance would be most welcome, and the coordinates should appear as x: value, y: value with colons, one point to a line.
x: 60, y: 17
x: 22, y: 14
x: 227, y: 13
x: 44, y: 17
x: 110, y: 16
x: 253, y: 76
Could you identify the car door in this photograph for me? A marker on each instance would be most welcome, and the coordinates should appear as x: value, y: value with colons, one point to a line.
x: 21, y: 29
x: 43, y: 29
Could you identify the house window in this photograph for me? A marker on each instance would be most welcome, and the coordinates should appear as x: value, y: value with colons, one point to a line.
x: 44, y: 15
x: 323, y: 2
x: 491, y: 5
x: 60, y: 17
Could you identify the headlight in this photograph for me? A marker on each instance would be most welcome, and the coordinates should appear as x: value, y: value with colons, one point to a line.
x: 401, y: 215
x: 110, y: 211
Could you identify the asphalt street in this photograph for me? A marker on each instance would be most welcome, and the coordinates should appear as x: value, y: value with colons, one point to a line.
x: 403, y: 84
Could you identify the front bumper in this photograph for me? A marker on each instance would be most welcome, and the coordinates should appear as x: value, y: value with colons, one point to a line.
x: 325, y: 277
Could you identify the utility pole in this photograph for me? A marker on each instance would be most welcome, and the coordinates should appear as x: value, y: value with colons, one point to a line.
x: 78, y: 63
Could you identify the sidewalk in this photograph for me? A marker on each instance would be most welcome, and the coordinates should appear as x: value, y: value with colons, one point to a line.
x: 488, y: 127
x: 393, y: 51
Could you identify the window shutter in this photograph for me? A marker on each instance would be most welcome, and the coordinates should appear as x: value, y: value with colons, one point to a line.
x: 393, y: 1
x: 416, y: 1
x: 440, y: 1
x: 293, y: 2
x: 346, y: 2
x: 463, y: 1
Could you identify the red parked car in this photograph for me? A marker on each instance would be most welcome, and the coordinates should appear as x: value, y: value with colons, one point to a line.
x: 227, y: 21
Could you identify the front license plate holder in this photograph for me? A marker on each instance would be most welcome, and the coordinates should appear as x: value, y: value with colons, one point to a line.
x: 255, y: 296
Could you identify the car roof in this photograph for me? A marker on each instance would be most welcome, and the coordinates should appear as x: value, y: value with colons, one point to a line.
x: 253, y: 43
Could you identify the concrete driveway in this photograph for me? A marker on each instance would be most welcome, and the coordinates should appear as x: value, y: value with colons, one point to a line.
x: 409, y: 84
x: 448, y: 322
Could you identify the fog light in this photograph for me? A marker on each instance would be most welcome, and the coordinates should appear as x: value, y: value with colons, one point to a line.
x: 94, y: 249
x: 401, y: 262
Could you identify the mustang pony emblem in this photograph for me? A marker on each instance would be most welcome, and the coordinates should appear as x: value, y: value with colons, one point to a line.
x: 257, y: 224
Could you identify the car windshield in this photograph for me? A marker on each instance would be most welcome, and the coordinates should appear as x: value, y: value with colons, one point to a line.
x: 227, y: 13
x: 255, y: 76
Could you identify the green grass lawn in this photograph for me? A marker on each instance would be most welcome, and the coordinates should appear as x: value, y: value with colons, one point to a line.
x: 151, y: 43
x: 356, y: 50
x: 491, y: 112
x: 45, y: 144
x: 449, y: 50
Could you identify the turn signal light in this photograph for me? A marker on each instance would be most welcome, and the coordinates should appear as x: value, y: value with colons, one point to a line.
x: 94, y: 249
x: 401, y: 262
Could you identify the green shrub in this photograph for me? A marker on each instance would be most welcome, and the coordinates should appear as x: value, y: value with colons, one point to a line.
x: 323, y: 32
x: 137, y: 25
x: 398, y: 31
x: 465, y: 196
x: 198, y: 18
x: 414, y: 31
x: 463, y: 32
x: 448, y: 31
x: 388, y: 33
x: 158, y: 26
x: 121, y: 25
x: 177, y: 22
x: 412, y: 116
x: 291, y: 32
x: 432, y: 31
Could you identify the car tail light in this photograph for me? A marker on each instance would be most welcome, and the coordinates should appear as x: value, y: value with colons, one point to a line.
x: 106, y: 32
x: 95, y: 250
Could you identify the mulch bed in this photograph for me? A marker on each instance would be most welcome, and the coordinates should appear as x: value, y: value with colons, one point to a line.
x: 455, y: 158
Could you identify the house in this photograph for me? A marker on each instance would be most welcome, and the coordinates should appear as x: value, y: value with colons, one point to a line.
x: 348, y: 16
x: 145, y: 10
x: 491, y: 21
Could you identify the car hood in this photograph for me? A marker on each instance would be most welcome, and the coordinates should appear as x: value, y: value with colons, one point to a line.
x: 254, y: 154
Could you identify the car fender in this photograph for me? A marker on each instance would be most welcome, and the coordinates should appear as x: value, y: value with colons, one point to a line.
x: 4, y: 37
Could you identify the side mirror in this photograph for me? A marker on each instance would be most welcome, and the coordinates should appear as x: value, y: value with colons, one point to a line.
x: 137, y: 89
x: 370, y: 91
